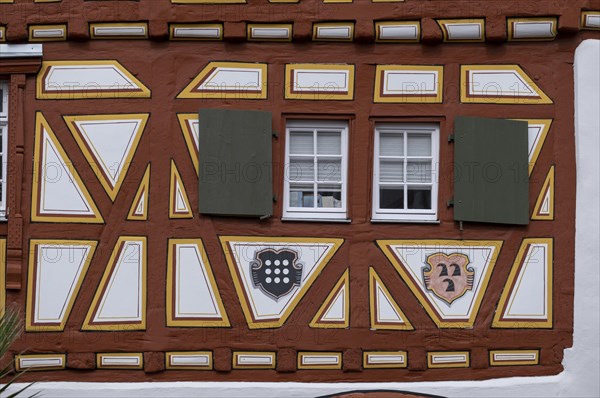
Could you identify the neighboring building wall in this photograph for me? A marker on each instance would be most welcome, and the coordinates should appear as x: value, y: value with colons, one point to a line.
x: 123, y: 235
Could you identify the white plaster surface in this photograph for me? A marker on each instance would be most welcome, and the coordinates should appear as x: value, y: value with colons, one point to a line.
x: 580, y: 377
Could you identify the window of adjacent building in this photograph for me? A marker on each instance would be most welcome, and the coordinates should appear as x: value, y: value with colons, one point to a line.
x: 3, y: 145
x: 405, y: 178
x: 316, y: 164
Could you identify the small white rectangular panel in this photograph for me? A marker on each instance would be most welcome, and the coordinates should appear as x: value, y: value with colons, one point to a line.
x: 592, y: 21
x: 48, y: 33
x: 29, y: 362
x: 109, y: 31
x: 448, y: 358
x: 120, y: 360
x: 464, y: 31
x: 233, y: 79
x: 533, y: 30
x: 311, y: 360
x: 386, y: 359
x: 184, y: 360
x: 515, y: 356
x: 321, y: 80
x: 197, y: 32
x: 398, y: 32
x: 254, y: 359
x: 331, y: 32
x: 269, y: 33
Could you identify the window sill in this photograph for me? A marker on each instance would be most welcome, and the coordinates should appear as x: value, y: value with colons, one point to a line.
x: 407, y: 221
x: 327, y: 220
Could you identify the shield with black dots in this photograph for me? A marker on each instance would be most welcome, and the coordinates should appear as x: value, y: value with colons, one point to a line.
x: 276, y: 272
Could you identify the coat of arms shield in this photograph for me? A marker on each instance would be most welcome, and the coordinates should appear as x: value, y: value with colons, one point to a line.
x: 276, y: 272
x: 448, y: 276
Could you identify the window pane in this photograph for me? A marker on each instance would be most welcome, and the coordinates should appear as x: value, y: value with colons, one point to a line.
x: 418, y: 172
x: 391, y: 198
x: 301, y: 195
x: 329, y: 170
x: 330, y: 195
x: 419, y: 145
x: 391, y: 144
x: 391, y: 171
x: 419, y: 198
x: 301, y: 170
x: 329, y: 143
x: 301, y: 143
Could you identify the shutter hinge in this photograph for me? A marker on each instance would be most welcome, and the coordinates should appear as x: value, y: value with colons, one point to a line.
x: 275, y: 198
x: 275, y: 134
x: 265, y: 216
x: 450, y: 137
x: 450, y: 203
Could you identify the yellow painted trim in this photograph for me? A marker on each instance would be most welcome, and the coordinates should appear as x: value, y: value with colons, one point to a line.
x: 2, y: 276
x: 93, y: 25
x: 384, y: 245
x: 169, y: 366
x: 511, y: 29
x: 188, y: 91
x: 584, y: 14
x: 316, y: 321
x: 208, y: 1
x: 543, y: 135
x: 171, y: 320
x: 33, y: 28
x: 406, y: 325
x: 442, y: 23
x: 31, y: 289
x: 431, y: 365
x: 172, y: 28
x: 6, y: 1
x: 417, y: 98
x: 287, y: 26
x: 239, y: 288
x: 464, y: 70
x: 42, y: 125
x: 507, y: 291
x: 68, y: 94
x: 366, y: 364
x: 187, y: 131
x: 535, y: 361
x: 236, y: 365
x: 112, y: 262
x: 97, y: 163
x: 176, y: 178
x: 547, y: 186
x: 378, y: 39
x: 337, y: 1
x: 40, y: 356
x: 317, y: 25
x: 301, y: 354
x: 119, y: 354
x: 143, y: 189
x: 2, y: 32
x: 321, y: 95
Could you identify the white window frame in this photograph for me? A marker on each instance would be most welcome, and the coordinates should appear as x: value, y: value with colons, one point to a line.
x: 316, y: 213
x: 407, y: 215
x: 4, y: 151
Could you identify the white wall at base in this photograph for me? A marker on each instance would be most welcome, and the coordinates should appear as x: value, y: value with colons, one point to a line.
x: 580, y: 377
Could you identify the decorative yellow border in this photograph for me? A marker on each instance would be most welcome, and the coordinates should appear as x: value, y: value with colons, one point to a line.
x: 140, y: 92
x: 39, y: 356
x: 97, y: 163
x: 142, y: 191
x: 316, y: 95
x: 522, y: 100
x: 189, y: 90
x: 547, y: 187
x: 431, y: 365
x: 443, y: 26
x: 2, y: 276
x: 112, y: 262
x: 171, y: 320
x: 239, y: 288
x: 2, y: 32
x: 540, y: 143
x: 184, y: 122
x: 584, y: 16
x: 367, y: 365
x: 287, y: 26
x: 236, y: 365
x: 31, y: 288
x: 378, y: 24
x: 317, y: 25
x: 42, y: 125
x: 411, y: 98
x: 535, y: 361
x: 511, y: 28
x: 301, y: 354
x: 174, y: 26
x: 509, y: 289
x: 384, y: 245
x: 170, y: 366
x: 176, y: 177
x: 99, y: 357
x: 33, y: 28
x: 374, y: 277
x: 343, y: 282
x: 94, y: 25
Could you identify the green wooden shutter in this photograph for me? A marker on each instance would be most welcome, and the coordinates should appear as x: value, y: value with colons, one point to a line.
x: 491, y: 181
x: 235, y: 163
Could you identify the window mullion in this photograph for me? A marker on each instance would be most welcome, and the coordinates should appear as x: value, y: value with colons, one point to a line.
x: 405, y: 172
x: 315, y: 170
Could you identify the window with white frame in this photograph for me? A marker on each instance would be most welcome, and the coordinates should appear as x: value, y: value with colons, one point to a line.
x: 405, y: 172
x: 316, y: 164
x: 3, y: 145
